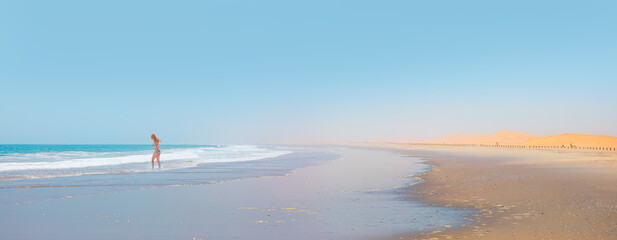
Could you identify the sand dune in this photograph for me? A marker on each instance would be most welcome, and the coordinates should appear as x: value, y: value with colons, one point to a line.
x: 503, y: 137
x: 518, y: 138
x: 577, y: 140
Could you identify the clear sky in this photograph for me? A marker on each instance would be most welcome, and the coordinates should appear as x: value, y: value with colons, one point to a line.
x: 234, y: 71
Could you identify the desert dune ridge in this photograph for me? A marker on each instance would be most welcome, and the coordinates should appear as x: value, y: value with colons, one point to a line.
x: 504, y: 137
x: 574, y: 140
x: 513, y: 139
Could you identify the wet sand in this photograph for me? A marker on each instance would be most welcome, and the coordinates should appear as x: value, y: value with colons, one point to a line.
x: 521, y: 193
x: 357, y: 196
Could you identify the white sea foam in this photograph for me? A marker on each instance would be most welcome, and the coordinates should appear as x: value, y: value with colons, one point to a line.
x: 173, y: 158
x: 47, y: 156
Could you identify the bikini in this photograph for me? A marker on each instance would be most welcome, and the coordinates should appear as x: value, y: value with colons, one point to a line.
x: 156, y: 151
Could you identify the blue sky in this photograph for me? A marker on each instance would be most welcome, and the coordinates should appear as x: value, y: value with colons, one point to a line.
x: 277, y: 71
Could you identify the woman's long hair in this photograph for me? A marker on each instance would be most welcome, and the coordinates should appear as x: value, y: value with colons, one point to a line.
x: 154, y: 138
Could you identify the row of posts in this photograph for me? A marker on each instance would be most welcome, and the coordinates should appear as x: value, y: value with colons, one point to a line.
x: 533, y: 147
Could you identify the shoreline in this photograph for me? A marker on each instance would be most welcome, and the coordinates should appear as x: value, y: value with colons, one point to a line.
x: 366, y: 192
x: 357, y: 195
x: 520, y: 194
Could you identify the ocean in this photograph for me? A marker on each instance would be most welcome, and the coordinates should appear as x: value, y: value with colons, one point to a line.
x: 44, y: 161
x: 43, y: 172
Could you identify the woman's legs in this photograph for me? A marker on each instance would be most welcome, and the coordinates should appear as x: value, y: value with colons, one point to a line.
x: 154, y: 156
x: 158, y: 160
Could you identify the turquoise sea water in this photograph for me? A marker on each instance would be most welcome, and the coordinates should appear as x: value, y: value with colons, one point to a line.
x: 45, y: 161
x: 41, y: 172
x: 11, y: 149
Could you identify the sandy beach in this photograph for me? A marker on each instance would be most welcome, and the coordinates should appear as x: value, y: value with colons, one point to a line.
x: 521, y: 193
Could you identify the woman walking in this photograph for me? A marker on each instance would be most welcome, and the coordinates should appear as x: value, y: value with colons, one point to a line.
x: 157, y: 151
